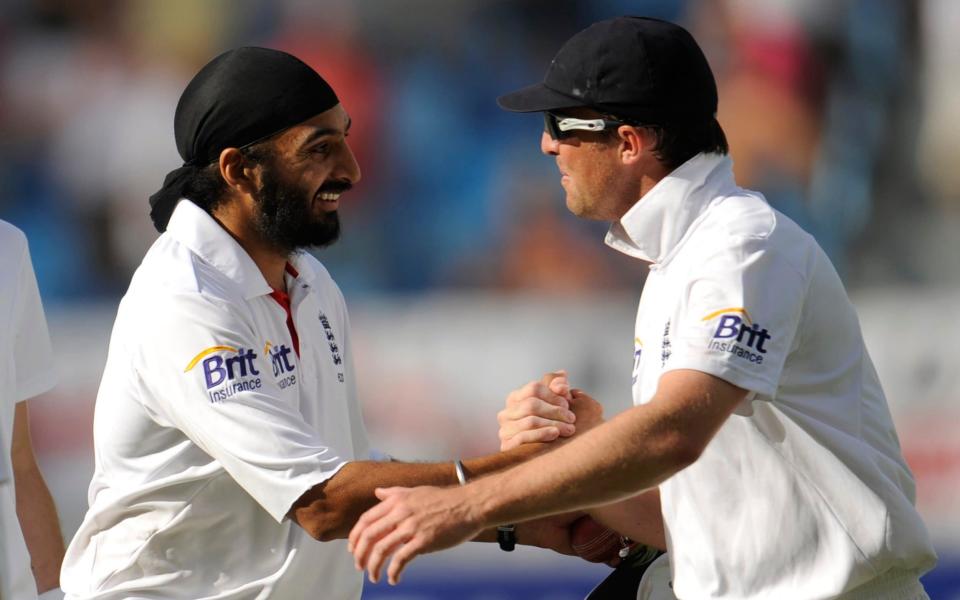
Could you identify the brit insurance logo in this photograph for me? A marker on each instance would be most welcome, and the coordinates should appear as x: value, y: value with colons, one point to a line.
x: 226, y: 371
x: 737, y: 334
x: 281, y: 364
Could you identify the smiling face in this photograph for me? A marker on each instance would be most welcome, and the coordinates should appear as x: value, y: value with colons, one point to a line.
x: 303, y: 172
x: 599, y: 184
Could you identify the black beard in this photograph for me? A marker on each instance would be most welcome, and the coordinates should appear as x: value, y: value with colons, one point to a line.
x: 286, y: 219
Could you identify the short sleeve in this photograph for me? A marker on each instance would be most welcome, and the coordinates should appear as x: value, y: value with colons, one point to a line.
x: 205, y: 373
x: 738, y: 316
x: 34, y: 370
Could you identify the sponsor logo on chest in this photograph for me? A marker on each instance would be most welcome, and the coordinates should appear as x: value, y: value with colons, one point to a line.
x: 281, y: 363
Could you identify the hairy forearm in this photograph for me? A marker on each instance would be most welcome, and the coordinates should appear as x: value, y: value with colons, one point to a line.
x: 329, y: 510
x: 638, y: 518
x: 634, y: 451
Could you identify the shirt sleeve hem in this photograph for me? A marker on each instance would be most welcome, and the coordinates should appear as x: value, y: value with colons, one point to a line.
x: 34, y: 387
x: 300, y: 486
x: 724, y: 371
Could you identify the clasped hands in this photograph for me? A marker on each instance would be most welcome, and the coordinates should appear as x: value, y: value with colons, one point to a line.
x: 412, y: 521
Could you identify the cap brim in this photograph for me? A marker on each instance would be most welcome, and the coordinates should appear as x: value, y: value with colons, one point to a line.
x: 537, y: 98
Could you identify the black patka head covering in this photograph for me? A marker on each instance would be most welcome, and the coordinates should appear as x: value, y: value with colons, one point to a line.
x: 239, y: 98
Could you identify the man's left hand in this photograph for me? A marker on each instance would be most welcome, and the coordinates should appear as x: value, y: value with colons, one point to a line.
x: 409, y: 522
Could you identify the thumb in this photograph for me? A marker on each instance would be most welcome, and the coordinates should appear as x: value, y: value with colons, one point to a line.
x: 558, y: 383
x: 552, y: 375
x: 384, y: 493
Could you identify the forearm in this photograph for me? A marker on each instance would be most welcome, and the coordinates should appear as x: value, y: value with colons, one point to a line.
x: 330, y: 509
x: 552, y: 533
x: 638, y: 518
x: 35, y: 509
x: 41, y: 527
x: 634, y: 451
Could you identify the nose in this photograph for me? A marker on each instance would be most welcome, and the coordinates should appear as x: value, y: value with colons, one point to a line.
x: 548, y: 145
x: 349, y: 166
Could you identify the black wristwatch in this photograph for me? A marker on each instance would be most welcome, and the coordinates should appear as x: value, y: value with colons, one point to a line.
x: 507, y: 537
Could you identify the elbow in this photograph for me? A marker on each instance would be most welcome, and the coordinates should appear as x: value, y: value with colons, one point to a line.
x: 681, y: 452
x: 320, y: 520
x: 320, y: 531
x: 325, y: 533
x: 686, y: 455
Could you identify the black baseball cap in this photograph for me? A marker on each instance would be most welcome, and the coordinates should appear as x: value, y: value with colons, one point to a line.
x: 640, y: 68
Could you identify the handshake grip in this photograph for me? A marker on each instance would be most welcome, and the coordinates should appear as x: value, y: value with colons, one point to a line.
x: 545, y: 411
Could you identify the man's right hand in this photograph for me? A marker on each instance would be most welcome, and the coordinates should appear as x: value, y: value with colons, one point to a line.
x: 545, y: 410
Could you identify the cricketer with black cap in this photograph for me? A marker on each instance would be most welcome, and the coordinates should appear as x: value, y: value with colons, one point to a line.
x: 227, y: 434
x: 760, y: 451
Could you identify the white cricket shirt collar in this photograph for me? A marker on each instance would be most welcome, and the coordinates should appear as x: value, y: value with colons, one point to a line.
x: 654, y: 227
x: 194, y: 228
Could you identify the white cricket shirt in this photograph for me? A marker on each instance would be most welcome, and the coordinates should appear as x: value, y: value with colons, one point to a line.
x: 803, y: 493
x: 208, y: 426
x: 26, y: 370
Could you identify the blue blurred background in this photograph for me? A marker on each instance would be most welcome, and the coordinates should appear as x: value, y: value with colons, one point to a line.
x: 465, y: 275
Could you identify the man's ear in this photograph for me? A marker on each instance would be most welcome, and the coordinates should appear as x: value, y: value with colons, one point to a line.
x: 238, y: 174
x: 634, y: 142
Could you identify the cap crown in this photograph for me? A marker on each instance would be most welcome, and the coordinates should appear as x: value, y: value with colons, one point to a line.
x: 636, y: 67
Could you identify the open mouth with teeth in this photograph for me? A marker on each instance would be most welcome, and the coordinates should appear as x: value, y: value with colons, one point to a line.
x: 328, y: 200
x: 328, y: 195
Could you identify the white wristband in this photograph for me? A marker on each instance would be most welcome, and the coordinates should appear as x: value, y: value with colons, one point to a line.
x: 54, y: 594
